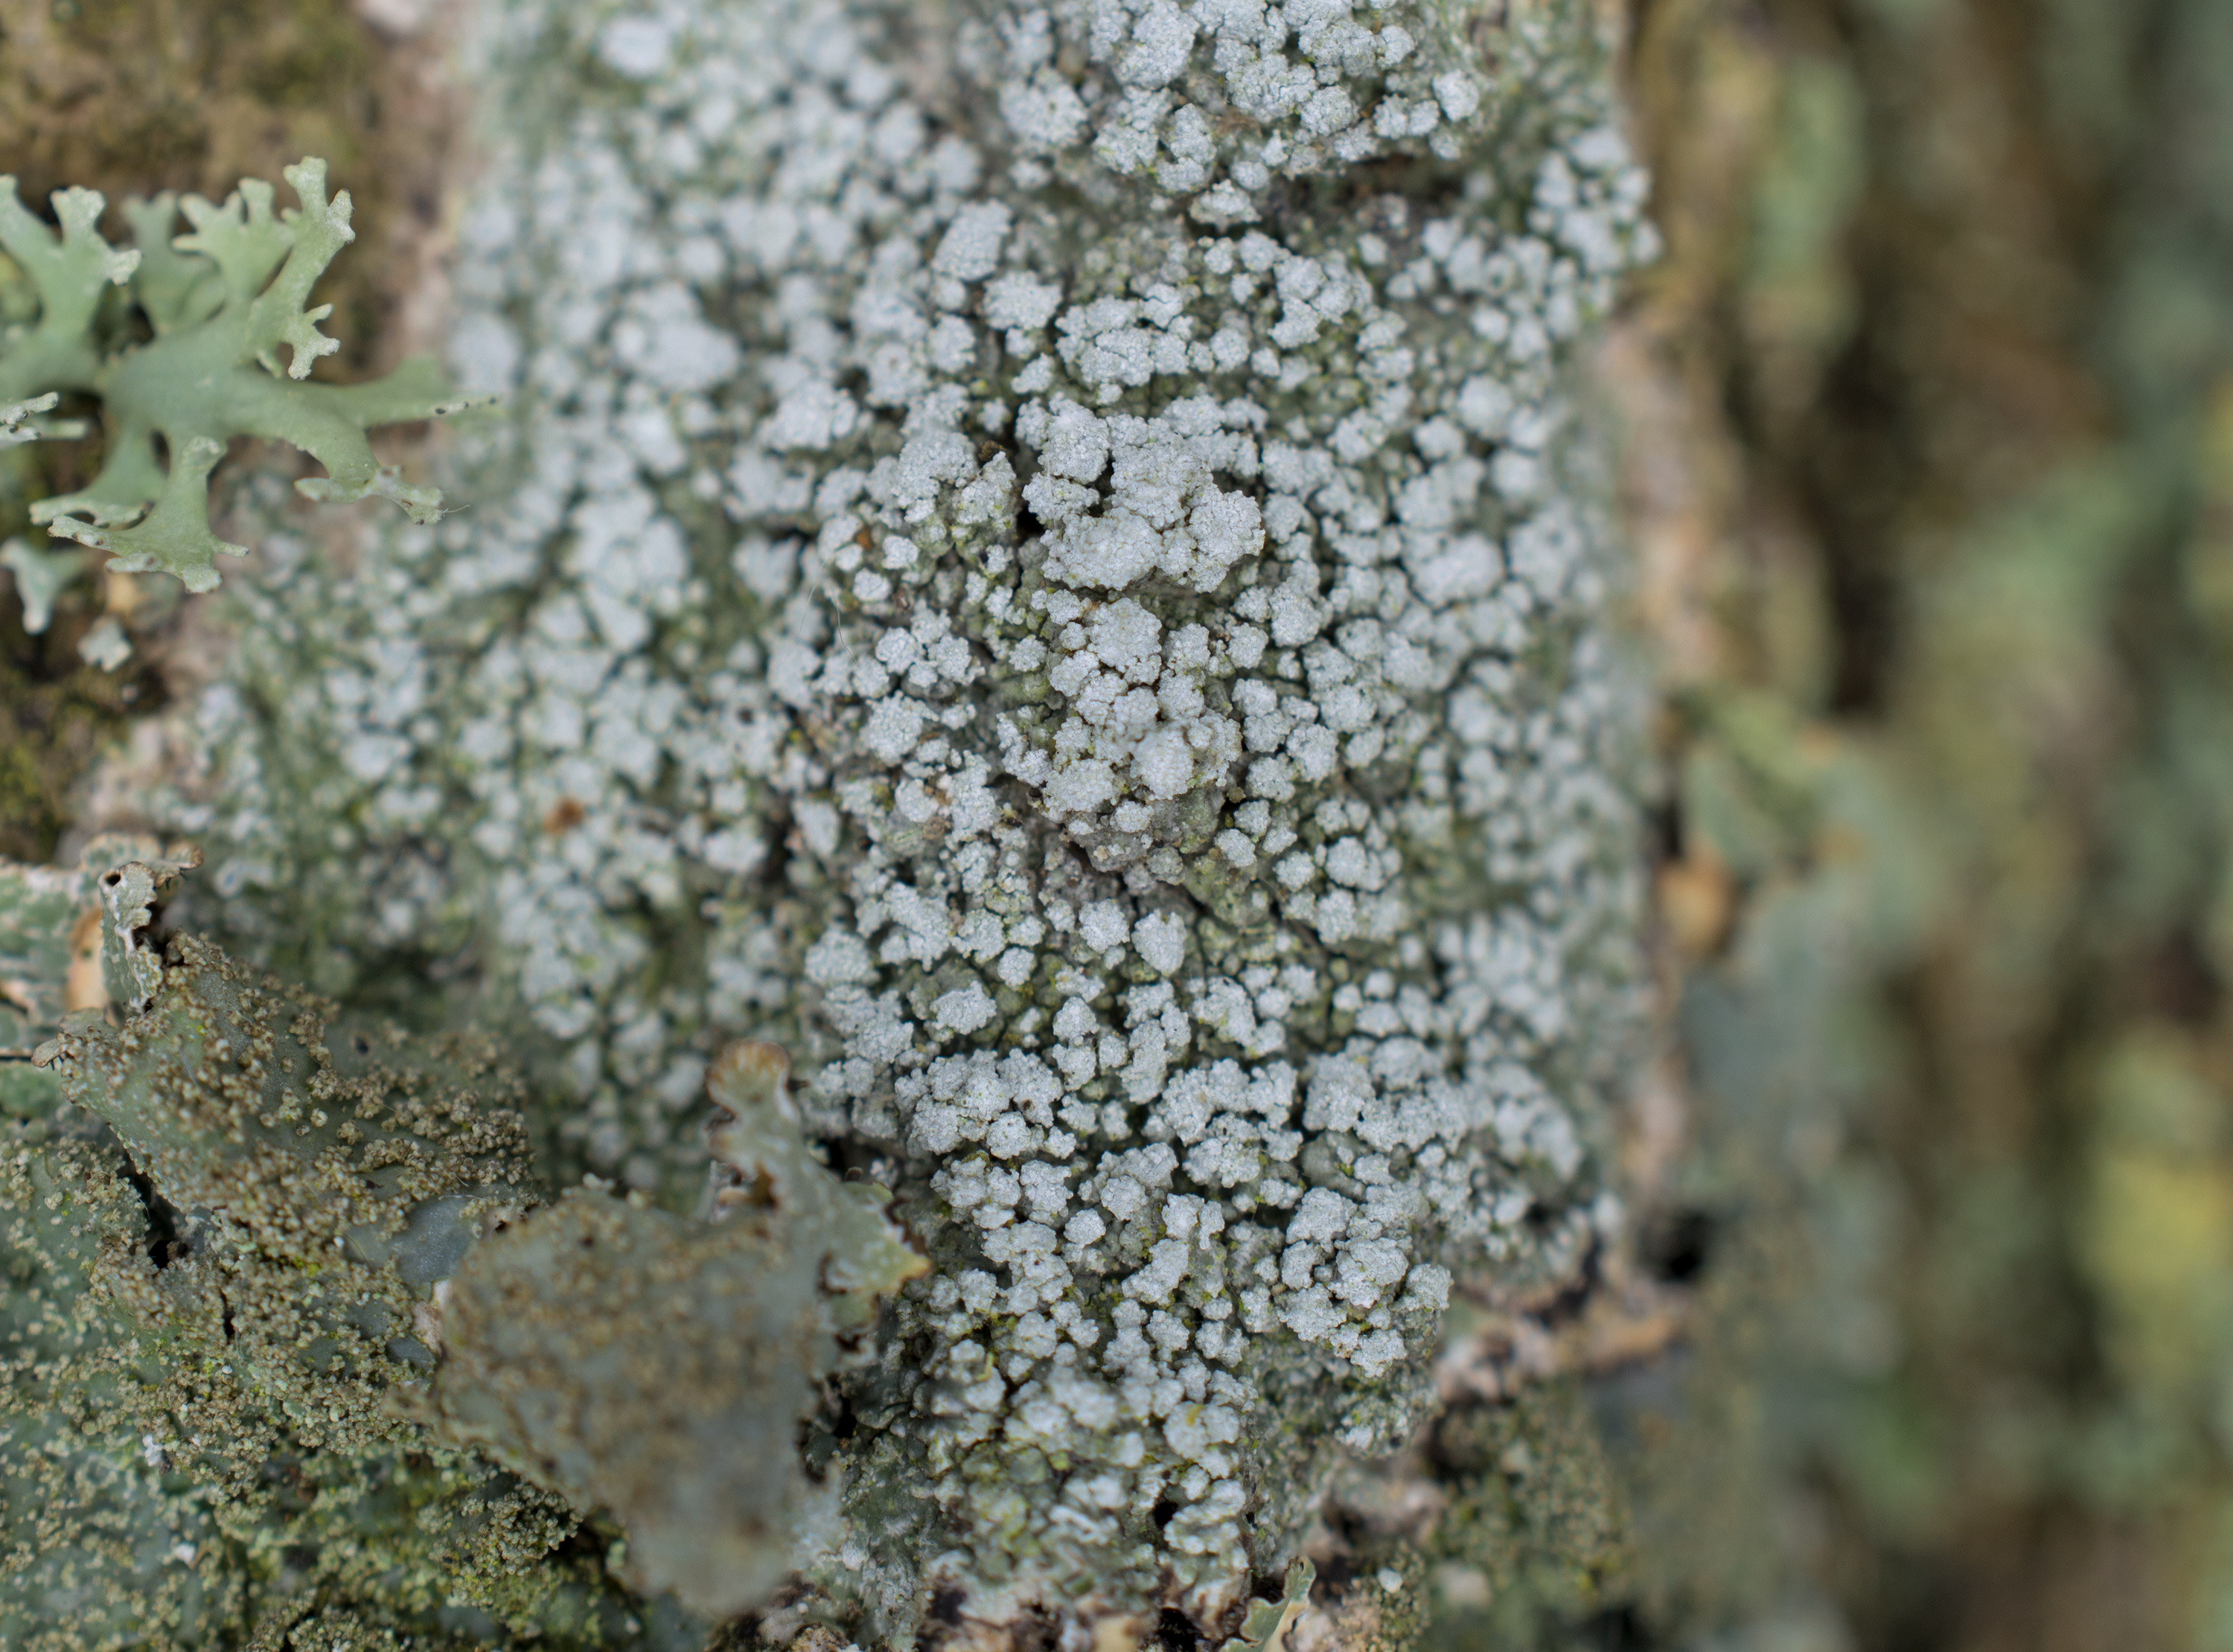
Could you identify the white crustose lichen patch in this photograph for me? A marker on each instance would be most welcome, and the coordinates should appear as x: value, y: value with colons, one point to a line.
x: 1046, y: 569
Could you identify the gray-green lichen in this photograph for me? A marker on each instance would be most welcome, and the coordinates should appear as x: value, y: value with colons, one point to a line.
x: 219, y: 1241
x: 297, y: 1322
x: 664, y: 1368
x: 52, y: 961
x: 1041, y: 560
x: 287, y: 1150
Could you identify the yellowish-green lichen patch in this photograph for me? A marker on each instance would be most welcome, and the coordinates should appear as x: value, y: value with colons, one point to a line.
x: 321, y: 1182
x: 214, y: 1303
x: 1535, y: 1536
x: 100, y: 1542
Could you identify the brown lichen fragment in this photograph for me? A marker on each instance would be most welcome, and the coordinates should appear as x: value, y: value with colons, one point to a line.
x: 41, y: 907
x: 57, y: 713
x: 50, y: 960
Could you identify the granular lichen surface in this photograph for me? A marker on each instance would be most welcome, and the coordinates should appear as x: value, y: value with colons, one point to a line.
x: 1040, y: 560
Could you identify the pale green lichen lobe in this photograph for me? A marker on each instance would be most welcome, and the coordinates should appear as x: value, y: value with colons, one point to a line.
x: 222, y: 303
x: 663, y: 1367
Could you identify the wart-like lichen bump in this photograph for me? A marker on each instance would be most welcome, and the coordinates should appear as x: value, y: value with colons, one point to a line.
x: 222, y: 302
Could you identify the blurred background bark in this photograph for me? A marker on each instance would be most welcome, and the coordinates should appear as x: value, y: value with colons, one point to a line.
x: 1929, y: 451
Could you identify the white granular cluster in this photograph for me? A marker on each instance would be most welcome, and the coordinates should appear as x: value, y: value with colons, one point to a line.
x: 1042, y: 566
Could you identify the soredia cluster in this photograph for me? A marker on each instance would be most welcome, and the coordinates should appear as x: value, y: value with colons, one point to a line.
x: 1040, y: 558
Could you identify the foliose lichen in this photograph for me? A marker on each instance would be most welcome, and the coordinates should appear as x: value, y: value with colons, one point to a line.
x: 219, y: 304
x: 663, y: 1367
x: 308, y: 1320
x: 218, y: 1240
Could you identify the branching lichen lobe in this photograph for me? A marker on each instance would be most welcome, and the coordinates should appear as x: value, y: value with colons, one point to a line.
x: 222, y: 302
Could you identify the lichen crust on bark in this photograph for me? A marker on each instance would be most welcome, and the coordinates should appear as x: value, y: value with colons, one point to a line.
x: 1042, y: 559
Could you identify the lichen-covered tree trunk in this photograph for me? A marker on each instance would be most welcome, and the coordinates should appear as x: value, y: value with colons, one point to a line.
x: 1039, y: 559
x: 1042, y: 558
